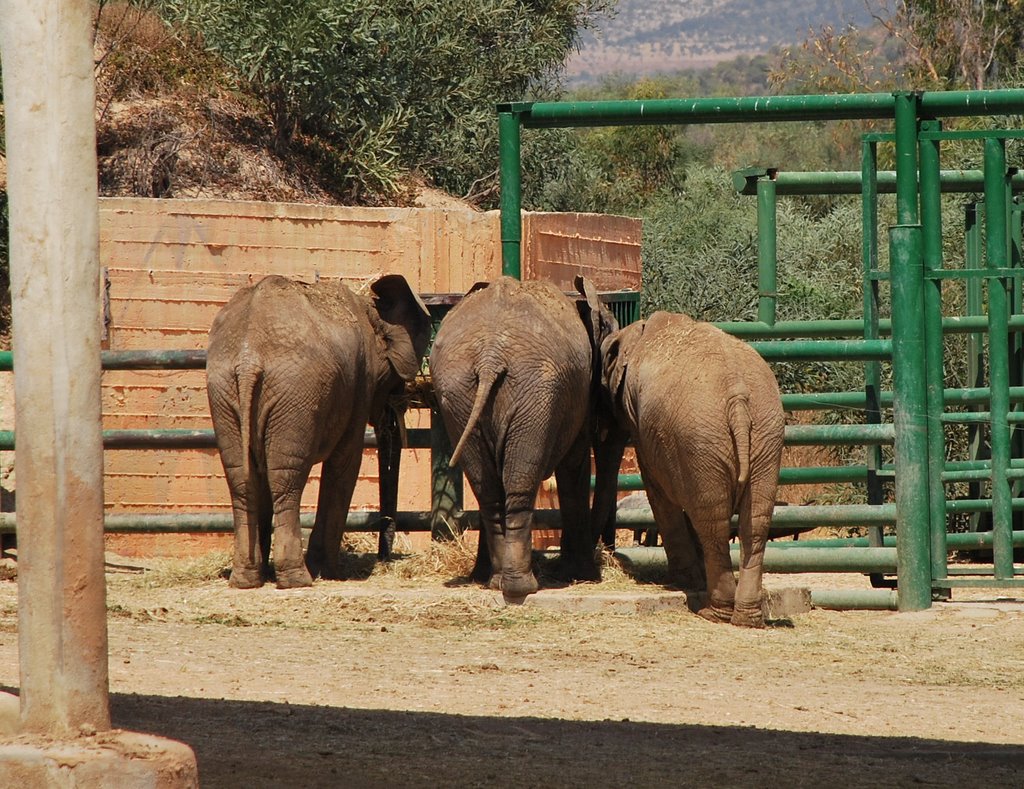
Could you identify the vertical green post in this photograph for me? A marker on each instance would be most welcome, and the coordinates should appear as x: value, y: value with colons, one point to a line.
x: 931, y: 251
x: 909, y: 385
x: 511, y: 195
x: 1015, y: 339
x: 872, y: 370
x: 767, y: 261
x: 975, y: 341
x: 996, y: 247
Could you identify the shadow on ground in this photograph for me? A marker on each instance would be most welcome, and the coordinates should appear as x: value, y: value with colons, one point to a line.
x: 250, y: 744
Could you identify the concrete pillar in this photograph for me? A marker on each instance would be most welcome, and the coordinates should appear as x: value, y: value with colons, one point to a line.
x: 64, y: 720
x: 49, y: 99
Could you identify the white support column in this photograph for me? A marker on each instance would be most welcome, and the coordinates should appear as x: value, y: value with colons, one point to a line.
x: 49, y: 101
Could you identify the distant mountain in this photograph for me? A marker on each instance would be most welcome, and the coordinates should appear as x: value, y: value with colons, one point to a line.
x: 646, y: 37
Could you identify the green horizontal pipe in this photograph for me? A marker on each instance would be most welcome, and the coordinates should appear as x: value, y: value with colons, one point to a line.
x: 955, y: 506
x: 789, y: 560
x: 821, y: 475
x: 1018, y: 569
x: 979, y: 475
x: 761, y: 109
x: 824, y: 350
x: 851, y: 327
x: 849, y: 181
x: 959, y: 541
x: 811, y: 515
x: 835, y: 435
x: 806, y: 475
x: 978, y: 417
x: 135, y: 360
x: 981, y: 583
x: 855, y: 599
x: 783, y: 518
x: 180, y: 438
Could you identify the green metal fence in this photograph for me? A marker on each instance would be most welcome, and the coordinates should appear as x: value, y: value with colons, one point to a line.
x: 916, y: 272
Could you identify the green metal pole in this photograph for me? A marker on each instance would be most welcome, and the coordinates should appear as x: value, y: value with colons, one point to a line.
x: 511, y: 196
x: 909, y: 398
x: 1015, y: 341
x: 767, y: 261
x: 996, y: 244
x: 764, y: 109
x: 854, y: 599
x: 789, y: 560
x: 850, y: 182
x: 873, y: 369
x: 975, y: 341
x: 931, y: 221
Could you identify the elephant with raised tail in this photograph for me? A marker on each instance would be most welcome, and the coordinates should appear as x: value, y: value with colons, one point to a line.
x: 706, y: 418
x: 516, y: 372
x: 294, y: 373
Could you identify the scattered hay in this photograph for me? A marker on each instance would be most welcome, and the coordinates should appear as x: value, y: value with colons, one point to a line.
x: 190, y: 571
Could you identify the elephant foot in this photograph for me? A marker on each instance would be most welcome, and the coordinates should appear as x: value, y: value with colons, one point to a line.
x: 585, y: 571
x: 294, y: 579
x: 482, y: 572
x: 245, y: 578
x: 712, y: 613
x: 494, y: 582
x: 515, y: 588
x: 748, y: 616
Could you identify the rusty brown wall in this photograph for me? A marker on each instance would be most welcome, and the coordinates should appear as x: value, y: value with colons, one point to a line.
x: 171, y: 264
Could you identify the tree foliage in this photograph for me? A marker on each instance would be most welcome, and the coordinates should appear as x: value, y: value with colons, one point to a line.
x: 385, y: 87
x: 915, y: 45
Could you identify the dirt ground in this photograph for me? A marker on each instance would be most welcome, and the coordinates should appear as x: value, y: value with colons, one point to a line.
x: 412, y: 678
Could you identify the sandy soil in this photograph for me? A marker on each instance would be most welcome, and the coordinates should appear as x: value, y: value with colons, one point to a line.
x: 408, y: 681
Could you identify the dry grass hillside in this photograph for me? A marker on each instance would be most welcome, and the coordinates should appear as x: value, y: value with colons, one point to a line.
x: 644, y: 37
x: 169, y: 123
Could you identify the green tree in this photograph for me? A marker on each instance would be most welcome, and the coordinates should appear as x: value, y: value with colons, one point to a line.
x: 385, y: 87
x: 618, y: 169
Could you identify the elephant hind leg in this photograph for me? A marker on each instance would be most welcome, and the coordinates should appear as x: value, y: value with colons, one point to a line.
x: 755, y: 513
x: 337, y: 483
x: 572, y: 476
x: 714, y: 534
x: 517, y: 578
x: 682, y: 548
x: 248, y: 563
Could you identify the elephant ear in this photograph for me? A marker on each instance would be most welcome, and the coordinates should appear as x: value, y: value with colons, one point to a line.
x: 616, y: 351
x: 404, y: 324
x: 476, y: 287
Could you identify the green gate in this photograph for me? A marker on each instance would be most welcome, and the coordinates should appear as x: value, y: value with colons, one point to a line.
x: 914, y: 346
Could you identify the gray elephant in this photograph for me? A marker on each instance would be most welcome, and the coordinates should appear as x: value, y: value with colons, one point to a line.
x: 516, y: 371
x: 294, y: 374
x: 706, y: 418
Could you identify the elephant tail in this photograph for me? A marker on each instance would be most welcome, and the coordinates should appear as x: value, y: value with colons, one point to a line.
x: 486, y: 380
x: 249, y: 380
x: 738, y: 407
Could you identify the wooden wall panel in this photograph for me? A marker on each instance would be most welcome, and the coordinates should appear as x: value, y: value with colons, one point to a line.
x: 170, y: 265
x: 606, y: 249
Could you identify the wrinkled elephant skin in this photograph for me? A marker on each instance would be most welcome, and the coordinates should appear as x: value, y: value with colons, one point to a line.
x: 515, y: 370
x: 294, y: 374
x: 706, y: 418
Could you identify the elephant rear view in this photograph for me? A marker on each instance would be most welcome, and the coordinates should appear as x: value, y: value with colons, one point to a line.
x: 706, y: 417
x: 294, y: 374
x: 514, y: 367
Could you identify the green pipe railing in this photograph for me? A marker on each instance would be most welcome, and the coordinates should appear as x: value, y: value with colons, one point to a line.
x: 788, y: 560
x: 996, y: 243
x: 851, y: 182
